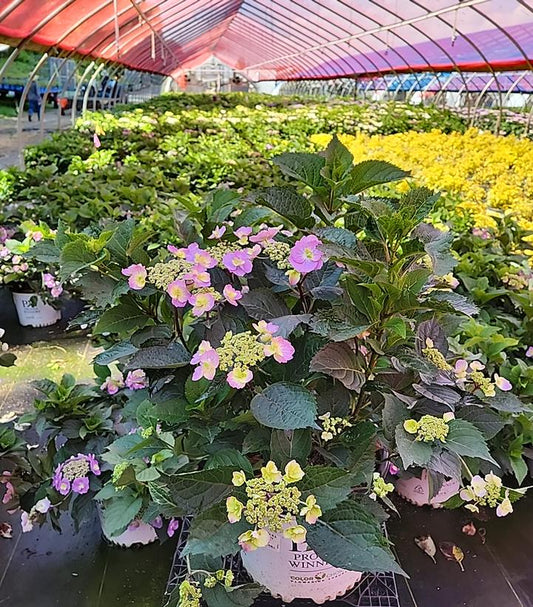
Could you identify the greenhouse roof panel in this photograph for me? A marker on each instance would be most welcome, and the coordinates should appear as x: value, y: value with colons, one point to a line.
x: 282, y: 39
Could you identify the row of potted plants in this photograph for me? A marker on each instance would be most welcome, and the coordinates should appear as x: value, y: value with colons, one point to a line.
x: 263, y: 375
x: 155, y: 161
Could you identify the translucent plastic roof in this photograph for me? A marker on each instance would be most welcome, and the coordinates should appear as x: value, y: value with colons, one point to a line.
x: 282, y: 39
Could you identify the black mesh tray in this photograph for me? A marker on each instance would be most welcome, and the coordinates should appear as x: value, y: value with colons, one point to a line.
x: 374, y: 590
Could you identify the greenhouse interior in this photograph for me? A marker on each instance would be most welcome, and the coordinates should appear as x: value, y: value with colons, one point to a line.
x: 266, y: 303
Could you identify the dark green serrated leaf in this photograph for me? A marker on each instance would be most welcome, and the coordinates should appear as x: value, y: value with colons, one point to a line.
x: 211, y: 533
x: 286, y: 202
x: 171, y: 356
x: 119, y: 512
x: 304, y: 167
x: 465, y: 439
x: 330, y: 486
x: 263, y: 304
x: 486, y: 421
x: 228, y: 458
x: 350, y: 537
x: 195, y: 492
x: 370, y: 173
x: 285, y: 406
x: 123, y: 318
x: 411, y: 451
x: 116, y: 351
x: 286, y: 445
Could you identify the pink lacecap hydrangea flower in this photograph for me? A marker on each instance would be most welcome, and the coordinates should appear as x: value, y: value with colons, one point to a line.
x: 201, y: 303
x: 239, y: 377
x: 218, y: 232
x: 179, y: 293
x: 137, y: 276
x: 49, y: 280
x: 173, y: 526
x: 305, y: 256
x: 136, y: 380
x: 265, y: 329
x: 280, y: 348
x: 56, y: 290
x: 237, y: 262
x: 242, y: 234
x: 194, y: 254
x: 203, y: 349
x: 232, y: 295
x: 207, y: 366
x: 265, y: 236
x: 113, y: 385
x: 198, y: 276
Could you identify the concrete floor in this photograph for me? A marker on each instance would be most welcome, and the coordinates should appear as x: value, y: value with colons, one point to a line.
x: 10, y: 143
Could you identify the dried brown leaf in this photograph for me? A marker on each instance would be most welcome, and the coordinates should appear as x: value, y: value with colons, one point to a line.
x: 427, y: 545
x: 6, y: 531
x: 452, y: 552
x: 469, y: 529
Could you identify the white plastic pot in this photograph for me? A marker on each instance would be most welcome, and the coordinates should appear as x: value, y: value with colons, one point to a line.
x: 416, y: 490
x: 294, y: 571
x: 137, y: 534
x: 39, y: 315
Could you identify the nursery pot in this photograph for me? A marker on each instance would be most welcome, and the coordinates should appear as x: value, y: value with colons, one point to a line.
x: 138, y: 533
x: 294, y: 571
x: 415, y: 489
x: 39, y: 315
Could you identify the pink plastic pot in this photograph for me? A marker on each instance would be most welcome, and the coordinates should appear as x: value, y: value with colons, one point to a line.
x: 416, y: 490
x: 294, y: 571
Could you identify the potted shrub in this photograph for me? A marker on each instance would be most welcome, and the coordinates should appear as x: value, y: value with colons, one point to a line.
x: 34, y: 286
x: 282, y: 345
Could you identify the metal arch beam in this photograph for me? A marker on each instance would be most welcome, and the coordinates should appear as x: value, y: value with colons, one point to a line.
x: 264, y: 45
x: 53, y: 76
x: 463, y: 4
x: 412, y: 89
x: 25, y: 41
x: 402, y: 38
x: 289, y: 29
x: 480, y: 97
x: 442, y: 92
x: 12, y: 56
x: 89, y: 86
x: 513, y: 86
x: 85, y: 74
x: 338, y: 58
x: 308, y: 62
x: 175, y: 10
x: 31, y: 78
x: 440, y: 17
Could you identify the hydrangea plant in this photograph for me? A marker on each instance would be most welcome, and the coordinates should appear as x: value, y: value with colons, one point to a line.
x: 292, y: 341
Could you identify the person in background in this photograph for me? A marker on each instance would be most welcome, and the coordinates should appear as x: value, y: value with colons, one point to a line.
x: 34, y: 100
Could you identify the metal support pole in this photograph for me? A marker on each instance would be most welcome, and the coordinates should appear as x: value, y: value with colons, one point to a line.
x: 23, y: 100
x: 480, y: 97
x: 53, y: 76
x: 12, y: 56
x: 78, y: 89
x: 89, y: 86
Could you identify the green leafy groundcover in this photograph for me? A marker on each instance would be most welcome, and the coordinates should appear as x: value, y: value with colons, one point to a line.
x: 157, y: 159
